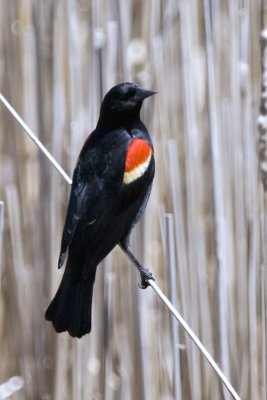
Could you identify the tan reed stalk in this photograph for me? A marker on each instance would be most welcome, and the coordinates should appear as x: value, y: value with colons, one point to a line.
x: 56, y: 61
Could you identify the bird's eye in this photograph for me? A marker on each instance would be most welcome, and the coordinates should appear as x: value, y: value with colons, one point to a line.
x: 129, y: 94
x: 131, y: 91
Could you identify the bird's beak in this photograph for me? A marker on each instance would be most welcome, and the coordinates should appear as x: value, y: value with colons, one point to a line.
x: 142, y: 94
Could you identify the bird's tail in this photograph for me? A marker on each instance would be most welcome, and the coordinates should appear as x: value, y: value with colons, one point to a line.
x: 70, y: 310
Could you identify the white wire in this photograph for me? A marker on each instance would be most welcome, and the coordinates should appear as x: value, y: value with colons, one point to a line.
x: 195, y: 339
x: 35, y: 139
x: 152, y: 283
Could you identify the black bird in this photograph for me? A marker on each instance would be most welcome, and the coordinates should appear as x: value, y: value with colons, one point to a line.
x: 111, y: 186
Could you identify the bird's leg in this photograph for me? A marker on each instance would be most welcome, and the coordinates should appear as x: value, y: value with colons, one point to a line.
x: 145, y: 273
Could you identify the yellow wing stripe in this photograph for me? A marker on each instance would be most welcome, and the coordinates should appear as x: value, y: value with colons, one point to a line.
x: 137, y: 172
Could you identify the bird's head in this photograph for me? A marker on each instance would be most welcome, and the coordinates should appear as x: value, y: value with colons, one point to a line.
x: 124, y: 101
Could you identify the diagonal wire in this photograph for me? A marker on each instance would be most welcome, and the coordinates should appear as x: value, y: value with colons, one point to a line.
x: 195, y: 339
x: 35, y: 139
x: 152, y: 283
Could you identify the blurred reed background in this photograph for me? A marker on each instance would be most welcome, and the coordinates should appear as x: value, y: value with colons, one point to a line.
x: 205, y: 221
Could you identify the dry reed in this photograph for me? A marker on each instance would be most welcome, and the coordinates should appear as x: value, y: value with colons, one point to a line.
x: 57, y: 60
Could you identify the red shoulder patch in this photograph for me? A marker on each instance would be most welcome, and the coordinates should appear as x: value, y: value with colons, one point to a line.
x: 138, y: 153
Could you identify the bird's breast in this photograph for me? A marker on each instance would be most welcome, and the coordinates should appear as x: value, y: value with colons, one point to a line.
x: 137, y: 161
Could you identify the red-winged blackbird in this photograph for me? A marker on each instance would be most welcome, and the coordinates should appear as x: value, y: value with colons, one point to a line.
x: 111, y: 186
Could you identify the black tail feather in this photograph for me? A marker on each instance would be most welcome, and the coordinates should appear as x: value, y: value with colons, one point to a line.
x: 70, y: 310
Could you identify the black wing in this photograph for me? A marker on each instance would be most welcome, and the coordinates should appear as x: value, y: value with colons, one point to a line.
x: 76, y: 204
x: 98, y: 173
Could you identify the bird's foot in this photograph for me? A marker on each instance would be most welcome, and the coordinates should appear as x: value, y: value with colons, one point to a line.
x: 145, y: 274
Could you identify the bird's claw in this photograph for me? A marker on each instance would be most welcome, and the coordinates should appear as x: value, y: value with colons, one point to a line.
x: 146, y: 275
